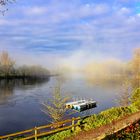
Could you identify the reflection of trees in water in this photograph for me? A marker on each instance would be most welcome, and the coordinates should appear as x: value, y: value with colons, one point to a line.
x: 7, y: 86
x: 5, y: 92
x: 61, y: 79
x: 106, y: 83
x: 116, y: 81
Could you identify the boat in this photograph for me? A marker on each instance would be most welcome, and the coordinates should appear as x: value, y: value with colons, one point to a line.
x: 70, y: 104
x: 81, y: 105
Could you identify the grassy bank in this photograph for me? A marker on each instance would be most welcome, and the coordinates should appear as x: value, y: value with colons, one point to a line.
x: 103, y: 118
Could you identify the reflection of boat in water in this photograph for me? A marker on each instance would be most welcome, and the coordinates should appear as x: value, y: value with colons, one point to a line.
x: 81, y: 105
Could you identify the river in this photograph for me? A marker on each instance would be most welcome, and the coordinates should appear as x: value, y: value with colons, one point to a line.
x: 21, y: 101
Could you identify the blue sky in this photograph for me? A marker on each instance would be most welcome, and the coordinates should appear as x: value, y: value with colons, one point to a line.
x: 72, y: 31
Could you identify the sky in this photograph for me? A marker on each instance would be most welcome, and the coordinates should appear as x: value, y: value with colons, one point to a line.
x: 49, y: 32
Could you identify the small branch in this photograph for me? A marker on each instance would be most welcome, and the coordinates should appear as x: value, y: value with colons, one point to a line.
x: 3, y: 4
x: 6, y: 2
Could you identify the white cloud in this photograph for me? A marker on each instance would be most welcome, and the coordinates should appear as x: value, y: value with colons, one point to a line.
x: 90, y: 10
x: 124, y: 11
x: 98, y: 28
x: 34, y: 11
x: 57, y: 13
x: 4, y: 22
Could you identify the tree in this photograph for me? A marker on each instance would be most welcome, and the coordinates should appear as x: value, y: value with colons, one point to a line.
x: 136, y: 62
x: 135, y: 95
x: 135, y: 98
x: 3, y: 4
x: 56, y: 109
x: 136, y: 68
x: 6, y: 63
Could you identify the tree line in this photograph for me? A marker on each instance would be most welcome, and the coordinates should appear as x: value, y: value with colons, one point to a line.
x: 9, y: 69
x: 114, y: 70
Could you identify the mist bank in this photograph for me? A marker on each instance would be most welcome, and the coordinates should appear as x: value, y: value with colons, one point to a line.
x: 108, y: 70
x: 101, y: 70
x: 114, y: 69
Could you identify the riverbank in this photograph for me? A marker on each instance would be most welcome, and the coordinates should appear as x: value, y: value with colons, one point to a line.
x: 12, y: 77
x: 104, y: 123
x: 99, y: 126
x: 108, y: 129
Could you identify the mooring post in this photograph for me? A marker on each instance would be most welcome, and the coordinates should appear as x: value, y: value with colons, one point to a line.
x: 72, y: 124
x: 35, y: 133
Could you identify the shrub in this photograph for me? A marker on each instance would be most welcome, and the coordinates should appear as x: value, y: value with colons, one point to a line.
x: 107, y: 116
x: 135, y: 95
x: 58, y: 136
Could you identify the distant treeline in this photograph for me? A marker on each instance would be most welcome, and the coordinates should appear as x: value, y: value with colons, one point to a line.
x: 115, y: 70
x: 9, y: 69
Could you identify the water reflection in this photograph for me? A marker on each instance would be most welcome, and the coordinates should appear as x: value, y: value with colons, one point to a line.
x: 7, y: 86
x: 22, y: 99
x: 104, y: 83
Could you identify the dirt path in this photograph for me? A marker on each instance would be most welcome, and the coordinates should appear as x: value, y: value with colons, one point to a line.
x: 100, y: 133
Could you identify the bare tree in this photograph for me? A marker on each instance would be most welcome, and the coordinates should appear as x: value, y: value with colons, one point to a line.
x: 136, y: 68
x: 6, y: 63
x: 5, y: 2
x: 3, y: 5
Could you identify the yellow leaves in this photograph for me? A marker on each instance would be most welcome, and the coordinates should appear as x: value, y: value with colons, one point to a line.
x: 5, y: 60
x: 56, y: 109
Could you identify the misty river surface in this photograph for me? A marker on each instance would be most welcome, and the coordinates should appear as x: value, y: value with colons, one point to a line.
x: 20, y: 100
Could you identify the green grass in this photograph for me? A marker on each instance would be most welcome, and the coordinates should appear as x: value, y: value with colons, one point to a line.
x: 95, y: 121
x: 100, y: 119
